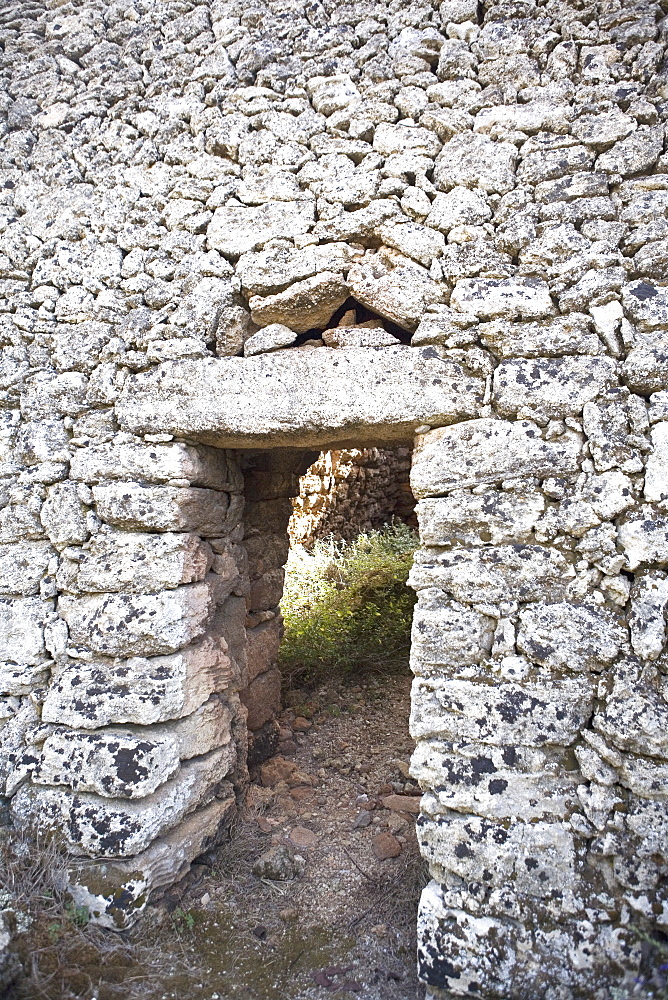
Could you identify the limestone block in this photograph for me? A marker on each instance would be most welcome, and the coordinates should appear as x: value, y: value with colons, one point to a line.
x: 555, y: 387
x: 48, y: 394
x: 537, y: 116
x: 271, y: 338
x: 537, y: 857
x: 137, y: 562
x: 495, y: 782
x: 446, y: 633
x: 332, y: 93
x: 266, y: 590
x: 139, y: 624
x: 494, y: 517
x: 117, y: 892
x: 116, y: 765
x: 400, y: 294
x: 609, y: 494
x: 304, y: 305
x: 570, y: 636
x: 649, y: 600
x: 162, y: 508
x: 488, y: 451
x: 22, y: 566
x: 205, y: 729
x: 459, y: 207
x: 42, y: 441
x: 96, y: 827
x: 20, y: 680
x: 504, y: 713
x: 473, y: 160
x: 635, y: 154
x: 271, y: 271
x: 635, y: 715
x: 22, y: 622
x: 646, y: 305
x: 389, y: 139
x: 656, y: 470
x: 510, y: 298
x: 646, y: 366
x: 413, y: 240
x: 561, y: 335
x: 336, y: 395
x: 134, y: 459
x: 89, y: 694
x: 353, y: 336
x: 643, y: 534
x: 262, y: 646
x: 235, y: 230
x: 606, y: 424
x: 262, y: 698
x: 602, y: 130
x: 64, y: 516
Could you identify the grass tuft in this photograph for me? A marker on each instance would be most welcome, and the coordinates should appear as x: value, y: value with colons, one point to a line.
x: 347, y: 608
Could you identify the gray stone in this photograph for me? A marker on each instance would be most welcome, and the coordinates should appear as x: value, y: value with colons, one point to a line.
x: 635, y: 714
x: 656, y: 469
x: 646, y: 366
x: 304, y: 305
x: 23, y: 566
x: 271, y: 271
x: 136, y: 460
x: 64, y: 515
x: 353, y: 336
x: 278, y: 864
x: 503, y: 713
x: 271, y: 338
x: 446, y: 633
x: 136, y: 562
x: 497, y: 573
x: 473, y: 160
x: 568, y: 636
x: 488, y: 451
x: 562, y: 335
x: 22, y: 623
x: 135, y: 507
x: 400, y: 293
x: 139, y: 624
x: 93, y: 826
x: 554, y: 387
x: 235, y: 402
x: 649, y: 599
x: 234, y: 231
x: 459, y: 207
x: 90, y: 694
x: 495, y: 518
x: 418, y: 242
x: 633, y: 155
x: 643, y: 534
x: 528, y: 298
x: 646, y: 305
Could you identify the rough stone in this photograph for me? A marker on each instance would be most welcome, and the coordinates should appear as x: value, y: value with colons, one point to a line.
x: 135, y: 507
x: 400, y: 388
x: 567, y: 636
x: 137, y: 562
x: 306, y: 304
x: 23, y: 565
x: 643, y: 534
x: 271, y: 338
x: 491, y: 297
x: 555, y: 387
x: 234, y: 231
x: 557, y: 337
x: 400, y: 294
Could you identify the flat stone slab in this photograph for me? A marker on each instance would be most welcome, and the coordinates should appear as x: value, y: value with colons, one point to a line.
x: 305, y: 399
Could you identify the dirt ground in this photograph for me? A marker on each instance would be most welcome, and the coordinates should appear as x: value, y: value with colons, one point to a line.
x: 339, y: 798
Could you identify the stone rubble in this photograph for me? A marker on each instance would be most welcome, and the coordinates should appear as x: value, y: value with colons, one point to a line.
x: 457, y: 215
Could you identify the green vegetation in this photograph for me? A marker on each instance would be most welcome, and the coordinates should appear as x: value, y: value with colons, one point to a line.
x: 347, y: 608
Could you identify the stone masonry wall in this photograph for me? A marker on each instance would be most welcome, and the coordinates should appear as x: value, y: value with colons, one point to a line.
x: 344, y: 493
x: 221, y: 224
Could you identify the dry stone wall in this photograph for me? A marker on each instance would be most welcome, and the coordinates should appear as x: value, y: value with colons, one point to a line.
x: 229, y: 226
x: 344, y: 493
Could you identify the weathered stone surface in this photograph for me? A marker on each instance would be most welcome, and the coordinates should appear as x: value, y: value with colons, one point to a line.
x: 506, y: 713
x: 400, y: 294
x: 643, y: 535
x: 262, y: 697
x: 270, y: 271
x: 556, y: 387
x: 635, y: 715
x: 497, y: 573
x: 304, y: 305
x: 139, y: 624
x: 335, y: 395
x: 646, y: 304
x: 446, y: 633
x: 456, y: 208
x: 117, y: 892
x: 162, y: 508
x: 350, y: 336
x: 562, y: 335
x: 471, y: 778
x: 569, y: 636
x: 22, y: 566
x: 473, y: 160
x: 606, y: 424
x: 137, y: 460
x: 236, y: 230
x: 638, y: 152
x: 22, y: 630
x: 90, y: 694
x: 413, y: 240
x: 493, y: 517
x: 118, y: 765
x: 96, y: 827
x: 64, y: 515
x: 646, y: 366
x: 488, y: 451
x: 136, y: 562
x: 487, y: 298
x: 271, y: 338
x: 389, y: 139
x: 649, y: 599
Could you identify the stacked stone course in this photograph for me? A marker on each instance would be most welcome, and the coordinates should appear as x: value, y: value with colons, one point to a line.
x: 221, y: 224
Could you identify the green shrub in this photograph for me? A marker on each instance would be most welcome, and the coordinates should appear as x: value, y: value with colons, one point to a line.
x: 346, y: 606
